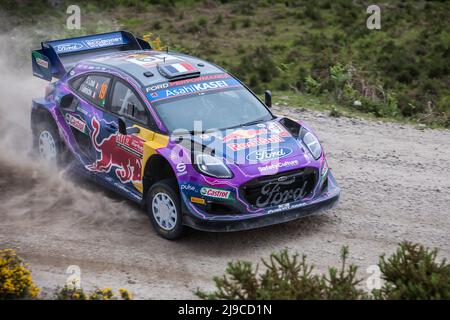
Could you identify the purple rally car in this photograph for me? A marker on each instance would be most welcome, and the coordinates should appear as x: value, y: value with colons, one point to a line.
x: 177, y: 134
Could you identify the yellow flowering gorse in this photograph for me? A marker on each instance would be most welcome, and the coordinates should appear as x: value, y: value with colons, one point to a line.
x: 15, y: 277
x: 155, y: 41
x: 72, y: 293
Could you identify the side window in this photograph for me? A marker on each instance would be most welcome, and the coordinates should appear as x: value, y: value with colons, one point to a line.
x: 125, y: 102
x: 75, y: 84
x: 95, y: 87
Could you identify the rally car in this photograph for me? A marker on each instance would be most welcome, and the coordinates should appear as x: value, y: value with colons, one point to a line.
x: 177, y: 134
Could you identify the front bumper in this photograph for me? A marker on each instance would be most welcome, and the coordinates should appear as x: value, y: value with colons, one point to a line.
x: 326, y: 200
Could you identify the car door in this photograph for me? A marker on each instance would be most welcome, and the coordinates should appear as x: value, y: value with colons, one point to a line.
x: 84, y: 110
x: 126, y: 104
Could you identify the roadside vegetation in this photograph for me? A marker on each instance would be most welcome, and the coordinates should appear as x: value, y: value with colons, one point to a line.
x: 16, y: 283
x: 320, y: 49
x: 413, y: 272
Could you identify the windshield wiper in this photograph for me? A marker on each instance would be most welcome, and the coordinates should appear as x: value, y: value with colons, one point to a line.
x: 253, y: 122
x: 245, y: 124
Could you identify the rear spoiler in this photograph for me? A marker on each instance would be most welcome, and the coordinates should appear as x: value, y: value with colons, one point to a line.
x: 56, y: 57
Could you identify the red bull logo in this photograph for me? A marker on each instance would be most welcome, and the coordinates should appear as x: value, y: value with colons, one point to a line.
x: 118, y: 152
x: 244, y: 134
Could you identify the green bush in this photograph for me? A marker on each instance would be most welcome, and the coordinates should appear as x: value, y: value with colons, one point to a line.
x: 410, y: 55
x: 16, y: 283
x: 312, y: 85
x: 413, y: 273
x: 286, y: 277
x: 73, y: 293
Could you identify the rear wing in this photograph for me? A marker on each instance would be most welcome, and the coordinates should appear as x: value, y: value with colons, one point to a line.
x: 56, y: 57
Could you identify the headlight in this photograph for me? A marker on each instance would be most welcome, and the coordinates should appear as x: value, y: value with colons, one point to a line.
x: 212, y: 166
x: 311, y: 142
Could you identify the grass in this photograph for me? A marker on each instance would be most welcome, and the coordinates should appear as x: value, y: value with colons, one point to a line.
x: 326, y: 105
x: 272, y: 44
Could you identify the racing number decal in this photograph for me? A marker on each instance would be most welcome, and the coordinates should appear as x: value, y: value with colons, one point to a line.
x: 103, y: 90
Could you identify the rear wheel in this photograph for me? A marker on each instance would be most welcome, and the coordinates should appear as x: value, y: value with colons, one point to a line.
x: 164, y: 210
x: 48, y: 143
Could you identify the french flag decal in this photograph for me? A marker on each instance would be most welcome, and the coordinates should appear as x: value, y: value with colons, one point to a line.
x: 180, y: 67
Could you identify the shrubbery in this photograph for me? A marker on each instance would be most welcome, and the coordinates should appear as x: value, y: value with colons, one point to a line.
x: 412, y: 272
x: 15, y: 277
x: 408, y: 59
x: 73, y: 293
x: 286, y: 277
x: 16, y: 283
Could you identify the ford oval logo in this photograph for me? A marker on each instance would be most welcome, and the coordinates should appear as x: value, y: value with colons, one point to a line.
x: 268, y: 154
x: 68, y: 47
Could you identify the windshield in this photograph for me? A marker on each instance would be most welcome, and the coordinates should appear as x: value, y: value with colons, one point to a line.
x: 215, y: 110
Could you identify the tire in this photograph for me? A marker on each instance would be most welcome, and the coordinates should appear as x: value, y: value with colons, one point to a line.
x: 168, y: 221
x: 48, y: 144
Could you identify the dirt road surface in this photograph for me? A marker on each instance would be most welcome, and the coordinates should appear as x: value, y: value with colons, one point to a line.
x: 395, y: 183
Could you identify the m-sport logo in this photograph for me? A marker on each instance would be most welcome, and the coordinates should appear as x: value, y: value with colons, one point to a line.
x: 268, y: 154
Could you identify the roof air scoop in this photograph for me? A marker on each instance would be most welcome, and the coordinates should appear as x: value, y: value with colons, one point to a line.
x: 178, y: 70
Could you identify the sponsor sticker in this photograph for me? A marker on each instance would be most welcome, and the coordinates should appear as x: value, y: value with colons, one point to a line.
x: 268, y: 154
x: 131, y: 144
x: 158, y: 86
x: 68, y: 47
x: 287, y: 206
x: 197, y: 200
x: 104, y: 42
x: 277, y: 166
x: 255, y: 142
x: 197, y: 88
x: 42, y: 63
x: 81, y: 110
x: 114, y: 157
x: 172, y: 84
x: 215, y: 193
x: 191, y: 87
x: 181, y: 169
x: 188, y: 187
x: 271, y: 133
x: 76, y: 123
x: 244, y: 134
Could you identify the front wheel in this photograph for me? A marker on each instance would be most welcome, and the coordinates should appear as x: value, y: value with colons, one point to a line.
x: 164, y: 210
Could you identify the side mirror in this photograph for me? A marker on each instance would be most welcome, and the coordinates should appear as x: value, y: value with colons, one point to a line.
x: 268, y: 98
x: 123, y: 128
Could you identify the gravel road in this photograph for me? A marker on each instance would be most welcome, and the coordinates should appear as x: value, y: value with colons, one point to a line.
x: 395, y: 183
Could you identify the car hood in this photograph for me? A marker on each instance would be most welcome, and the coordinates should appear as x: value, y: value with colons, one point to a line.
x: 263, y: 148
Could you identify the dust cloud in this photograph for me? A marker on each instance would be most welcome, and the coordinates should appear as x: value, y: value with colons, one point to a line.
x: 28, y: 189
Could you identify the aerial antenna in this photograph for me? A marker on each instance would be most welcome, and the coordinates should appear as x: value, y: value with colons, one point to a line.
x: 167, y: 49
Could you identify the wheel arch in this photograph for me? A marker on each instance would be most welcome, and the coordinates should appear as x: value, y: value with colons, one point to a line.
x: 40, y: 114
x: 156, y: 169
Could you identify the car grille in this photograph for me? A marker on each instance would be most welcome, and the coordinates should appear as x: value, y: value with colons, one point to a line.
x: 281, y: 188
